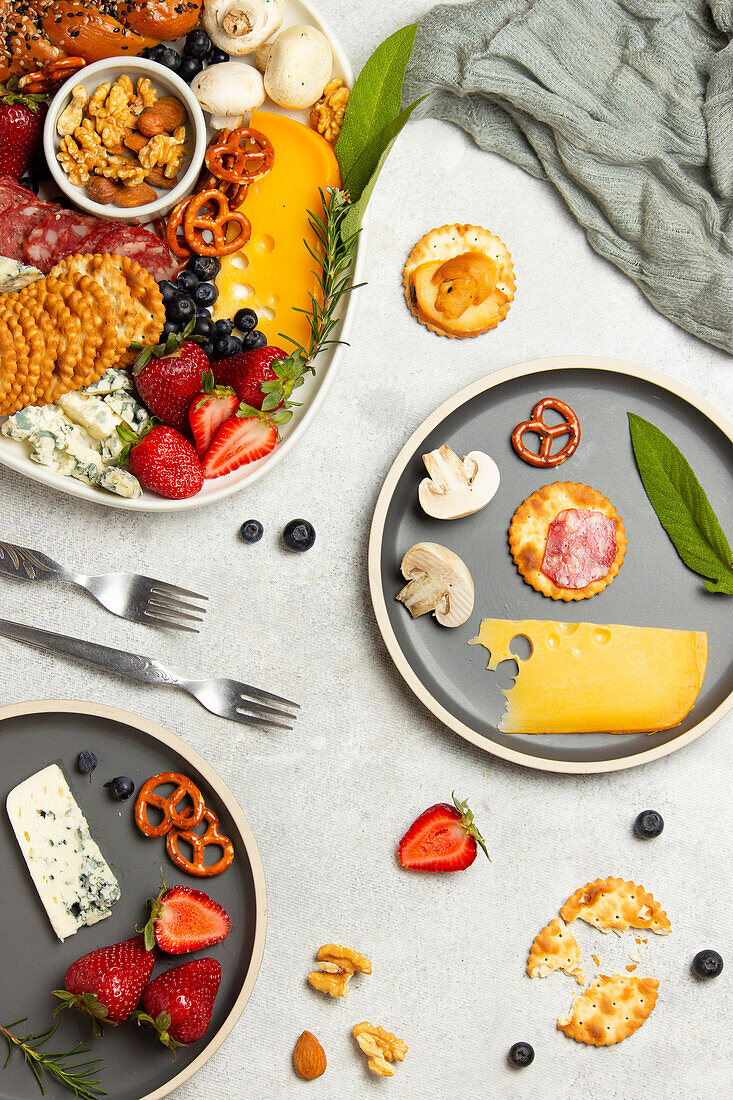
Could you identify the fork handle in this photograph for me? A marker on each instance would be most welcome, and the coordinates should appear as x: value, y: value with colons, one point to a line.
x: 29, y: 565
x: 132, y: 665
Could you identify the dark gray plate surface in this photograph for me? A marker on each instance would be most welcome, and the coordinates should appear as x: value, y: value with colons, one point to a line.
x: 34, y: 960
x: 653, y: 587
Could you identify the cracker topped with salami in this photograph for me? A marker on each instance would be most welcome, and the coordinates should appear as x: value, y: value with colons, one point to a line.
x: 567, y: 541
x: 614, y: 905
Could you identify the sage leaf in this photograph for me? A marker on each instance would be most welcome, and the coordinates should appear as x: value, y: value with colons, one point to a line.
x: 373, y: 120
x: 681, y: 505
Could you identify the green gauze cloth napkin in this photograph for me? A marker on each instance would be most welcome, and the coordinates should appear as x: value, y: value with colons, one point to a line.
x: 626, y: 106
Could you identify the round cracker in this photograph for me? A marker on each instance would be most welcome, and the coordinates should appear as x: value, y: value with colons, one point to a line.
x: 530, y: 526
x: 100, y: 346
x: 26, y: 362
x: 104, y: 269
x: 148, y: 300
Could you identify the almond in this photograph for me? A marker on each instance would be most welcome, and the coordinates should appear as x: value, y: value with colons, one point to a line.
x: 140, y: 194
x: 135, y: 141
x: 165, y: 116
x: 102, y: 190
x: 309, y: 1057
x: 157, y: 178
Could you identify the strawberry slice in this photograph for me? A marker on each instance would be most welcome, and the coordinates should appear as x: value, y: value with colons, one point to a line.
x: 209, y: 410
x: 183, y: 920
x: 442, y: 838
x: 239, y: 440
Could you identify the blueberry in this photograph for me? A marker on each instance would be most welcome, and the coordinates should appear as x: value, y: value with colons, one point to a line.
x: 207, y: 347
x: 648, y: 824
x: 521, y: 1055
x: 121, y: 787
x: 251, y: 531
x: 253, y: 340
x: 228, y: 345
x: 182, y: 309
x: 245, y: 320
x: 168, y: 328
x: 299, y: 535
x: 205, y: 294
x: 154, y: 53
x: 168, y: 290
x: 170, y: 59
x: 217, y: 56
x: 189, y: 68
x: 223, y: 328
x: 197, y: 44
x: 204, y: 312
x: 707, y: 964
x: 203, y: 327
x: 87, y: 762
x: 187, y: 282
x: 30, y: 183
x: 204, y: 267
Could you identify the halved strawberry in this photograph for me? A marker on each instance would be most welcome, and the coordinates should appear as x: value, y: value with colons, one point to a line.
x: 442, y: 838
x: 183, y: 920
x: 240, y: 439
x: 209, y: 410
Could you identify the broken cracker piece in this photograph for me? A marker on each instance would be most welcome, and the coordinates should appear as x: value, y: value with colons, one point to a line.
x: 555, y: 948
x: 614, y: 904
x: 611, y: 1009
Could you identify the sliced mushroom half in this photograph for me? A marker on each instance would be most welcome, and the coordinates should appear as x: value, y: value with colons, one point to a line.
x: 457, y: 488
x: 439, y: 582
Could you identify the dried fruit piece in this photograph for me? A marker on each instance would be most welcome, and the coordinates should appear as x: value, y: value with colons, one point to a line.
x: 309, y: 1057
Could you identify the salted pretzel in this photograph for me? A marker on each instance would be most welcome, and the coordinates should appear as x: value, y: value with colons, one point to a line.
x: 51, y: 75
x: 240, y: 156
x: 188, y: 818
x: 188, y: 215
x: 570, y: 426
x: 199, y: 844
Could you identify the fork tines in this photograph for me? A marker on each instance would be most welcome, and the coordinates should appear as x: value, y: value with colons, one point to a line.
x: 166, y: 608
x: 257, y: 714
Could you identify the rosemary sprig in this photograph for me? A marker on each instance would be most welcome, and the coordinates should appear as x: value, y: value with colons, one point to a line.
x: 75, y: 1077
x: 334, y: 258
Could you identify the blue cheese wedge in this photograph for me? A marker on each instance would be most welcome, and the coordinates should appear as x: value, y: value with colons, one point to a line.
x: 72, y: 877
x: 15, y: 276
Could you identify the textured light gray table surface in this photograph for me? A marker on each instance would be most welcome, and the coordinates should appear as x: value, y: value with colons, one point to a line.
x: 329, y: 801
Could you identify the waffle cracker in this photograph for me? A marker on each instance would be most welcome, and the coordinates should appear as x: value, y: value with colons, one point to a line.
x: 447, y: 243
x: 529, y: 529
x: 104, y: 269
x: 555, y: 948
x: 614, y: 904
x: 18, y: 387
x: 611, y: 1009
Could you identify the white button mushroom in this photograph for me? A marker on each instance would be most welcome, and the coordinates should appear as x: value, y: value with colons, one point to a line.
x: 456, y: 488
x: 439, y: 582
x: 297, y: 67
x: 239, y: 26
x: 229, y: 92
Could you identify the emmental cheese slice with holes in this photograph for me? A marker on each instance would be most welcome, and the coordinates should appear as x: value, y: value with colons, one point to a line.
x: 274, y: 273
x: 586, y: 678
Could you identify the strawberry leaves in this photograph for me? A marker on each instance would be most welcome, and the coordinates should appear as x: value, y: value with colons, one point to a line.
x: 468, y: 823
x: 169, y: 346
x: 11, y: 93
x: 88, y: 1003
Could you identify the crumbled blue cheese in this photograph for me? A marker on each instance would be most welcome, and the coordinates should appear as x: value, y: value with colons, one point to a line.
x: 135, y: 415
x: 121, y: 482
x: 72, y: 877
x: 15, y: 276
x: 28, y: 420
x: 42, y: 448
x: 91, y: 413
x: 112, y: 381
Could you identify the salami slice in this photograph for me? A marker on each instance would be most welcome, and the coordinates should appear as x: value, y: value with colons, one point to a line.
x: 581, y: 547
x: 138, y: 243
x: 59, y: 234
x: 15, y: 226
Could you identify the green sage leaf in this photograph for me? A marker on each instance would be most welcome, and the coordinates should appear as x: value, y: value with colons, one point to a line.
x: 681, y: 505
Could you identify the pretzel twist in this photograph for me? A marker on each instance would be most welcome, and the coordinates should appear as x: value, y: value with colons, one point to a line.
x: 172, y: 819
x: 570, y: 426
x: 240, y: 156
x: 196, y: 866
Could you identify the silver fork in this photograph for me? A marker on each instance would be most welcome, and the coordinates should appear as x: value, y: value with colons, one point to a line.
x: 129, y: 595
x: 227, y: 698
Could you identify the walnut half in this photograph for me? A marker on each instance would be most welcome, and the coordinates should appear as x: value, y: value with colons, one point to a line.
x: 327, y: 115
x: 337, y: 964
x: 380, y: 1046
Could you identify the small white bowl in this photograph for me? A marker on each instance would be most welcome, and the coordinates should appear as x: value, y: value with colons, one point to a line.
x: 165, y: 82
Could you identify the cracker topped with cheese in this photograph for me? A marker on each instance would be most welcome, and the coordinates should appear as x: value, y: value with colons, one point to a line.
x: 459, y: 280
x: 555, y: 948
x: 567, y: 541
x: 614, y: 905
x: 611, y: 1009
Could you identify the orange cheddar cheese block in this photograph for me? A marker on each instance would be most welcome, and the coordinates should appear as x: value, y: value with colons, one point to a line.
x: 586, y: 678
x: 274, y: 272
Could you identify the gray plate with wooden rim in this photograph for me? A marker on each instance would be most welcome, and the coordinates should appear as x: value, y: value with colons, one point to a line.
x: 653, y: 587
x: 137, y: 1067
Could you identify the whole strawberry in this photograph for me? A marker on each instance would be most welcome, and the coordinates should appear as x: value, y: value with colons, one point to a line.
x: 165, y: 462
x: 169, y: 375
x: 21, y: 128
x: 253, y: 375
x: 178, y: 1003
x: 106, y: 983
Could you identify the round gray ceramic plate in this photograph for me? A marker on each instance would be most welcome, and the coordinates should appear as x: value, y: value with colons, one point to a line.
x: 653, y: 587
x: 33, y: 735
